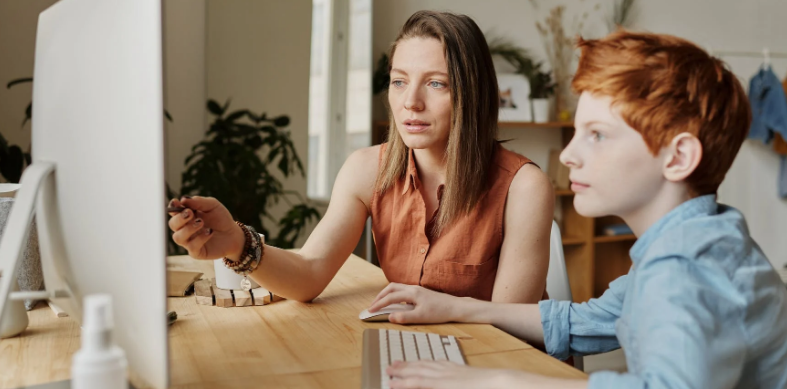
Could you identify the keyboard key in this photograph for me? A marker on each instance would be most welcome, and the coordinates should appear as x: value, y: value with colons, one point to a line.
x: 424, y: 351
x: 384, y: 359
x: 395, y: 345
x: 437, y: 348
x: 454, y: 354
x: 410, y: 352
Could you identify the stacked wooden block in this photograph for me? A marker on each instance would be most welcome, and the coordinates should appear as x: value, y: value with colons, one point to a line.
x: 207, y: 293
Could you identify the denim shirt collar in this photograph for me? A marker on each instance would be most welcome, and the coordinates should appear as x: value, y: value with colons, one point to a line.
x: 705, y: 204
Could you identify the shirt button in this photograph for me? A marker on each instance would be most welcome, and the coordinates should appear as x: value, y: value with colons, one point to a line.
x: 423, y: 250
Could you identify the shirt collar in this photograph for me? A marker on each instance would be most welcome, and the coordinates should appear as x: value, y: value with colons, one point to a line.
x: 697, y: 206
x: 412, y: 173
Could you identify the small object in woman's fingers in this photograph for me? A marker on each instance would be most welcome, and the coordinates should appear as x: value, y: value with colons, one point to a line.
x: 175, y: 209
x: 171, y: 317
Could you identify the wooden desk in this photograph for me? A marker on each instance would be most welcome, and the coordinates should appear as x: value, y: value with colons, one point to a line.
x: 286, y: 344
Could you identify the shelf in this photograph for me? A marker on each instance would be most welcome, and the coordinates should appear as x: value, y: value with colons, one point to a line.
x: 570, y: 241
x: 384, y: 123
x: 614, y: 238
x: 563, y: 192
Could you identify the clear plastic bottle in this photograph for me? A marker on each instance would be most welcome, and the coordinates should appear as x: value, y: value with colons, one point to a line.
x: 99, y: 364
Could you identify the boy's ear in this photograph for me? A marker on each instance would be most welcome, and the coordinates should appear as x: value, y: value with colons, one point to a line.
x: 683, y: 155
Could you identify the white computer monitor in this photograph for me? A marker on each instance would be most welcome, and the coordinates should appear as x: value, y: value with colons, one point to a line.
x: 96, y: 184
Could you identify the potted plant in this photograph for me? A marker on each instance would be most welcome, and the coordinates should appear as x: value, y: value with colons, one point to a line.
x: 12, y: 159
x: 236, y: 164
x: 541, y: 88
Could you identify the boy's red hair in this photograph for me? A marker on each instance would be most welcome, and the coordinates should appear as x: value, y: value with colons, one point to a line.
x: 663, y: 86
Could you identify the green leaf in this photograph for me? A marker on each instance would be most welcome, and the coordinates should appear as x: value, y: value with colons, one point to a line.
x: 382, y: 76
x: 12, y: 164
x: 214, y: 108
x: 28, y: 113
x: 3, y: 144
x: 282, y: 121
x: 18, y: 81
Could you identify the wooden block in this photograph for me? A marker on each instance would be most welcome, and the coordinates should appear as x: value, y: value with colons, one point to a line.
x: 179, y: 282
x: 242, y: 298
x: 261, y: 296
x: 223, y: 297
x: 203, y: 292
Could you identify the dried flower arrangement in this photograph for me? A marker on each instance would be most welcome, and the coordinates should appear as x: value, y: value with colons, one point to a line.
x: 559, y: 48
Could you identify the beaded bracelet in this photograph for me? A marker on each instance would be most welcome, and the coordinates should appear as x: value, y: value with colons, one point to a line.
x: 251, y: 256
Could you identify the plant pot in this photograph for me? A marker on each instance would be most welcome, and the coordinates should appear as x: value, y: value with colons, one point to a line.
x: 540, y: 110
x: 228, y: 279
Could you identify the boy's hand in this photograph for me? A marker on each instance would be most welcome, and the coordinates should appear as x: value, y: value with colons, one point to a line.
x: 430, y: 306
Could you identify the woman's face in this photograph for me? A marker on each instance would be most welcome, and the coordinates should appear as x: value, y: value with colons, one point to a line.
x: 419, y: 94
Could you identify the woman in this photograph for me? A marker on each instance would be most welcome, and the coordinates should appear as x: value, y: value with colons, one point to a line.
x: 451, y: 209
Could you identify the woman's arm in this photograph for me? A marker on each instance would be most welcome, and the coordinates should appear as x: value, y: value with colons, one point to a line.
x: 524, y: 256
x: 304, y: 275
x: 206, y: 229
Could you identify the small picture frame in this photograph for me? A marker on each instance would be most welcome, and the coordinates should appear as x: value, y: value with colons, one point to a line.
x: 514, y: 98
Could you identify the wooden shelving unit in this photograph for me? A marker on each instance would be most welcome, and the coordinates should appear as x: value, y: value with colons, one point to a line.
x: 614, y: 238
x: 593, y: 260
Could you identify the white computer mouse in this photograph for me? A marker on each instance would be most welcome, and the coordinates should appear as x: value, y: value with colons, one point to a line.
x: 382, y: 315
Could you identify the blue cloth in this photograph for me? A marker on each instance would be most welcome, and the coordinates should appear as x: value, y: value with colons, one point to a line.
x: 701, y: 307
x: 768, y: 106
x: 783, y: 177
x: 769, y: 114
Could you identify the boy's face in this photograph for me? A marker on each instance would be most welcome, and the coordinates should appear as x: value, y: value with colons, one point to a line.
x: 612, y: 169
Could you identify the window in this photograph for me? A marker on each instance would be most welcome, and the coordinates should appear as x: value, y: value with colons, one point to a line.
x: 340, y: 91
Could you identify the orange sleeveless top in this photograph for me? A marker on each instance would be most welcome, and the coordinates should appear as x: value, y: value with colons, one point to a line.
x: 463, y: 260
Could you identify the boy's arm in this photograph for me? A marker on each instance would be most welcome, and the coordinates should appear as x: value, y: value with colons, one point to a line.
x: 684, y: 331
x: 561, y: 326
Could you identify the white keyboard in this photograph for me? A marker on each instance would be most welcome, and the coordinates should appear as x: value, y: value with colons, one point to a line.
x: 382, y: 347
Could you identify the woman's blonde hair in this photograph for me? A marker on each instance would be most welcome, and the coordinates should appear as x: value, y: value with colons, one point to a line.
x: 474, y: 94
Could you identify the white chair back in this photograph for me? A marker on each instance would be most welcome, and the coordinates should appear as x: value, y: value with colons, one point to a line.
x: 557, y: 276
x: 558, y: 286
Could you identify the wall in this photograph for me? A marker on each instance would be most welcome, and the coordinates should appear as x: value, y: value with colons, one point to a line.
x: 720, y: 24
x: 184, y: 82
x: 18, y: 21
x: 258, y: 55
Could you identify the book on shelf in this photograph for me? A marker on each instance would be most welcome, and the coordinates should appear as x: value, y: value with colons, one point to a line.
x: 617, y: 229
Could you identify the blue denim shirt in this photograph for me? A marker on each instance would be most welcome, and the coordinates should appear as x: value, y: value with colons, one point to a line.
x: 701, y: 307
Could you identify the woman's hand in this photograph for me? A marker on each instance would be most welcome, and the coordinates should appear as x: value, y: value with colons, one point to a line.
x: 205, y: 228
x: 445, y: 375
x: 430, y: 306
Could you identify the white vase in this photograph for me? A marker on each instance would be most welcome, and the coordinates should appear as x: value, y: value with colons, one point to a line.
x: 540, y: 110
x: 227, y: 278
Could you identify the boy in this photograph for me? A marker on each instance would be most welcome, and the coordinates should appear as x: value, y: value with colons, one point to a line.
x: 658, y: 125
